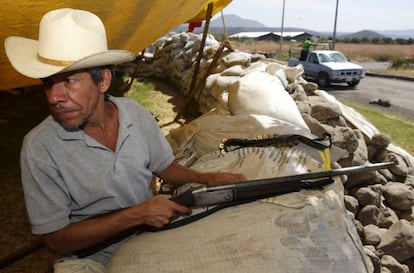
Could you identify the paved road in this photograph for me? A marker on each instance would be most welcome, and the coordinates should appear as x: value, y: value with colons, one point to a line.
x: 400, y: 93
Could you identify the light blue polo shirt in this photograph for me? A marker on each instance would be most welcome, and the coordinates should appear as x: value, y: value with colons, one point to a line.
x: 68, y: 176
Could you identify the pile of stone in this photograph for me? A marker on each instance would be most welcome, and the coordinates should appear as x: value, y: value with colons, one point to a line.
x: 381, y: 203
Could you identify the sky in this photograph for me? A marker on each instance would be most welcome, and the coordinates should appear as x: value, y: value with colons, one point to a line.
x: 319, y: 15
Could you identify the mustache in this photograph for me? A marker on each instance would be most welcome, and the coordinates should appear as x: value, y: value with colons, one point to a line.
x: 61, y: 108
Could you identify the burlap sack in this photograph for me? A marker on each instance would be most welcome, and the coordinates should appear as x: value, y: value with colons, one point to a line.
x: 263, y: 94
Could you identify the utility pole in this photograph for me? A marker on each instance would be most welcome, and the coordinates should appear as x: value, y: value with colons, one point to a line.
x: 334, y: 33
x: 281, y: 30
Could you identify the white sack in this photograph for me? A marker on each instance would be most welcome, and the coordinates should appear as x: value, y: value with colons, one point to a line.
x: 263, y: 94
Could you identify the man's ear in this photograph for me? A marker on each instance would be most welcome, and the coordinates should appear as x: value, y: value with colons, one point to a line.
x: 106, y: 80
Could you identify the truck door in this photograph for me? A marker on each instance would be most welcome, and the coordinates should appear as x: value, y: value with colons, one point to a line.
x: 312, y: 66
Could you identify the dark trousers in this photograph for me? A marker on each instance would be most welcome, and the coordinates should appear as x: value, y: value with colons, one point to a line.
x: 303, y: 55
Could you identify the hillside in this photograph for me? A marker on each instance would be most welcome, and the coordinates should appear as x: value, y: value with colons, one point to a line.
x: 236, y: 21
x: 369, y: 34
x: 235, y: 24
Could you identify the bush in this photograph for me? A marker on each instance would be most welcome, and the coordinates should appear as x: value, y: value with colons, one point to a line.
x: 403, y: 63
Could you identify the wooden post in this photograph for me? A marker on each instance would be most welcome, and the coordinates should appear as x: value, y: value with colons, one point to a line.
x: 193, y: 90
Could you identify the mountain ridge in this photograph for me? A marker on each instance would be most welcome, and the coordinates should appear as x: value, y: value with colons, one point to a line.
x: 235, y: 24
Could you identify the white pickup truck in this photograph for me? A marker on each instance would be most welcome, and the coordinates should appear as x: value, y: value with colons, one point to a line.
x: 329, y: 66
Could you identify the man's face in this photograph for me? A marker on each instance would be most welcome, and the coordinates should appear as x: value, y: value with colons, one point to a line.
x: 72, y: 98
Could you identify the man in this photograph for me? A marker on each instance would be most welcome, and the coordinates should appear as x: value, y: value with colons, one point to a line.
x: 86, y: 169
x: 306, y: 44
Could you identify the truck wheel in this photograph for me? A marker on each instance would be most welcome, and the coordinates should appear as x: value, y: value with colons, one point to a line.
x: 353, y: 83
x: 323, y: 80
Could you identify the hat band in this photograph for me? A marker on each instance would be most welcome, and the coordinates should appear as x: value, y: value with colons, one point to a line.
x: 53, y: 62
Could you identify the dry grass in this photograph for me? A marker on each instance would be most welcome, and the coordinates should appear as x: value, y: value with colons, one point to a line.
x: 379, y: 53
x: 355, y: 52
x: 267, y: 47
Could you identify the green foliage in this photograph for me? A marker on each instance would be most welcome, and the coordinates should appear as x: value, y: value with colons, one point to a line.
x: 376, y: 41
x: 383, y: 57
x: 141, y: 92
x: 403, y: 63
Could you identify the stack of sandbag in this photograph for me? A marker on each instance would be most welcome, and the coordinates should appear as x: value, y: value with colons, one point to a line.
x: 247, y: 96
x: 175, y: 54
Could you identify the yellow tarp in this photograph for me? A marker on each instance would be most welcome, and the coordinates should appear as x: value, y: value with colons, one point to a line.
x: 130, y: 24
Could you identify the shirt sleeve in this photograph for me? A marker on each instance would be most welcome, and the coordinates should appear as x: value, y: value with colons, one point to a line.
x: 160, y: 150
x: 47, y: 200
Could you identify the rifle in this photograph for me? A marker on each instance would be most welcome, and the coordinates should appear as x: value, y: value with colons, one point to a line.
x: 251, y: 190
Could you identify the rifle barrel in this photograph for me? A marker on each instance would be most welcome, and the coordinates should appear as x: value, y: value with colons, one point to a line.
x: 261, y: 188
x: 313, y: 175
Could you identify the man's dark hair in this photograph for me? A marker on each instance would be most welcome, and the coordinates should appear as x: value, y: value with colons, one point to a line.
x: 96, y: 73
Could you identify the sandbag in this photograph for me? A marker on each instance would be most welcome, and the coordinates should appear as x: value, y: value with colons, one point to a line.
x: 263, y: 94
x: 306, y: 231
x: 204, y: 135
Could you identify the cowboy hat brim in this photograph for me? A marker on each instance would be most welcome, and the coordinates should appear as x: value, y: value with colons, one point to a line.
x: 22, y: 54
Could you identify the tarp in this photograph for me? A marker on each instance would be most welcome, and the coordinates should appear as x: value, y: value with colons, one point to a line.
x: 131, y: 25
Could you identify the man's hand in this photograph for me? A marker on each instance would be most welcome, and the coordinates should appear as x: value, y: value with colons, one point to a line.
x: 159, y: 210
x: 156, y: 211
x: 223, y: 178
x: 176, y: 174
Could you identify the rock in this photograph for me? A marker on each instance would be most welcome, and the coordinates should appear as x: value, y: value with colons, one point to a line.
x: 315, y: 126
x: 387, y: 174
x: 375, y: 266
x: 406, y: 214
x: 300, y: 95
x: 398, y: 241
x: 385, y: 270
x: 385, y: 103
x: 387, y: 217
x: 393, y: 265
x: 399, y: 196
x: 360, y: 155
x: 369, y: 214
x: 370, y: 195
x: 345, y: 138
x: 304, y: 108
x: 324, y: 111
x: 410, y: 264
x: 409, y: 181
x: 372, y: 235
x: 400, y: 168
x: 359, y: 227
x: 364, y: 179
x: 310, y: 88
x: 381, y: 140
x: 351, y: 203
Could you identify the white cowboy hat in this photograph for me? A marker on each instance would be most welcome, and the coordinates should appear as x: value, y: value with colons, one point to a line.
x: 69, y: 40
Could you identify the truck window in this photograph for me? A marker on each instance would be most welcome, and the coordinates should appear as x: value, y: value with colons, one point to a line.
x: 338, y: 57
x: 324, y: 58
x: 313, y: 58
